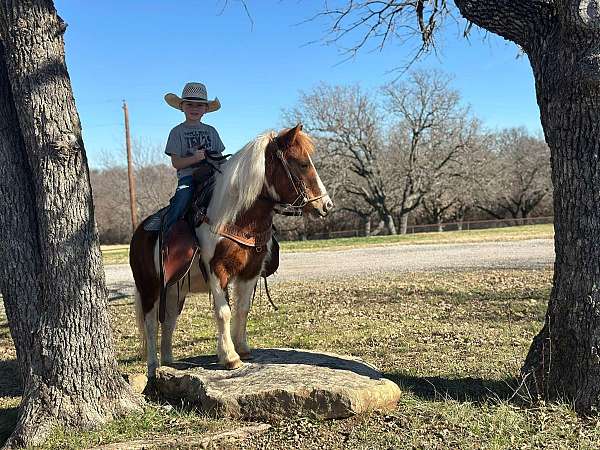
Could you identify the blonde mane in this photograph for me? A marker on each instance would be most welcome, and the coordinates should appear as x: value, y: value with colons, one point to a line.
x: 241, y: 181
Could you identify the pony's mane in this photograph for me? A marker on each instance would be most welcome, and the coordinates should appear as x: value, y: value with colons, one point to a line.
x: 241, y: 181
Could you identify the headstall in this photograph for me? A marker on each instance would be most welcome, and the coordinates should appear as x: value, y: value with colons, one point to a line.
x: 300, y: 188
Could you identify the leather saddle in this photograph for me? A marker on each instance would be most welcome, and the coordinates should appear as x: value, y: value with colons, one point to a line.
x: 180, y: 249
x: 178, y: 252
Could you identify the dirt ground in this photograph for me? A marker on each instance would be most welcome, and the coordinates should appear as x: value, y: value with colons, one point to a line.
x: 327, y: 264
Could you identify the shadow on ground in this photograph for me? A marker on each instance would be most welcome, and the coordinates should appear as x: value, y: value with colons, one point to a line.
x: 476, y: 390
x: 8, y: 421
x: 10, y: 379
x: 285, y: 356
x: 119, y: 292
x: 10, y: 386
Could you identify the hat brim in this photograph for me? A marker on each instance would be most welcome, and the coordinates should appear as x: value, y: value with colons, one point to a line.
x: 175, y: 101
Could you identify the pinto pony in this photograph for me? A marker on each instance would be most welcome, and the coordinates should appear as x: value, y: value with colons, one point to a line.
x: 273, y: 170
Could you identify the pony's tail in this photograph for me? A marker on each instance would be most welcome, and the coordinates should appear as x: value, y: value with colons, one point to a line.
x: 139, y: 316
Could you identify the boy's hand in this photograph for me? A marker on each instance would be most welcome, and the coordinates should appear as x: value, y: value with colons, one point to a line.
x: 200, y: 154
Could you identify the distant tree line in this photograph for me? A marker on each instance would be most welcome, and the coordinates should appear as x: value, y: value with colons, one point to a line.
x: 409, y: 153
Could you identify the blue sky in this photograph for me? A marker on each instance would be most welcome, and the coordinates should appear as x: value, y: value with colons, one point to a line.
x: 140, y: 50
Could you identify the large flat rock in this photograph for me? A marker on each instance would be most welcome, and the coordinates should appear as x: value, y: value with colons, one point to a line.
x: 279, y: 383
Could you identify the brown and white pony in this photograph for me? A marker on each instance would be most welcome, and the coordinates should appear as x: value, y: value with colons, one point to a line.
x: 272, y: 170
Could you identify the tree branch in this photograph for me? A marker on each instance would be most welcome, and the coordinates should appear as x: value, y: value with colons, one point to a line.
x: 382, y: 20
x: 514, y: 20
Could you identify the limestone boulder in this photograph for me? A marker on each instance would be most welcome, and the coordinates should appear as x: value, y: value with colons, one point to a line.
x: 138, y: 382
x: 279, y: 383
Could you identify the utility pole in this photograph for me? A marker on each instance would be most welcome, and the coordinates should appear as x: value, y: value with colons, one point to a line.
x: 132, y: 197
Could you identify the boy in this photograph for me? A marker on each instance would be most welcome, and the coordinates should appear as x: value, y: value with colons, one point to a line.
x: 188, y: 144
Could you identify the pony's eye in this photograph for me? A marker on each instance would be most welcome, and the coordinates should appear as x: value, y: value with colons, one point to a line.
x: 305, y: 166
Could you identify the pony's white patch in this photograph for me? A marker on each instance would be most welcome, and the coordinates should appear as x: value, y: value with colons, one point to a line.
x: 240, y: 183
x: 208, y: 241
x: 322, y: 189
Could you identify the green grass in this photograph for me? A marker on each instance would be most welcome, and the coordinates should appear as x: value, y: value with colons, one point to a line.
x: 119, y: 254
x: 115, y: 254
x: 453, y: 341
x: 544, y: 231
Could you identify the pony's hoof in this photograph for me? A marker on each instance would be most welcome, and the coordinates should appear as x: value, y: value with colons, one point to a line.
x: 245, y: 356
x: 235, y: 364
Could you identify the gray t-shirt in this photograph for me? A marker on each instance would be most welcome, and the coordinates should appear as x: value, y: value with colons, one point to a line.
x: 184, y: 141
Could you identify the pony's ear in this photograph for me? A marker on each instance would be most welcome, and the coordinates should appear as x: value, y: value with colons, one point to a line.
x: 289, y: 137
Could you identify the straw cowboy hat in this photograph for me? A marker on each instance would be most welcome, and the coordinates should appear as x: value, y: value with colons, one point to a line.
x: 193, y: 92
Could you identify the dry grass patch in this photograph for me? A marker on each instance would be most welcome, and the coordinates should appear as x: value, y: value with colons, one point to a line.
x: 454, y: 342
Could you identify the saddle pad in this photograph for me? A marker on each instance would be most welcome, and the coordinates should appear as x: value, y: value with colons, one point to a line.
x: 153, y: 222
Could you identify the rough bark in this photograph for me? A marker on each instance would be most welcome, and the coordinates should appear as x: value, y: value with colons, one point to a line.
x: 52, y: 277
x: 19, y: 235
x: 514, y: 20
x: 561, y: 40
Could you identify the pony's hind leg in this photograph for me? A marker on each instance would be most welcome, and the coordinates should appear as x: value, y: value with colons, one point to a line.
x: 139, y: 316
x: 148, y: 329
x: 244, y: 291
x: 168, y: 326
x: 222, y: 312
x: 151, y: 330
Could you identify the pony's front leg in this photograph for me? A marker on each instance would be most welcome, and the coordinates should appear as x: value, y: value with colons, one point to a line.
x: 168, y: 326
x: 244, y: 291
x: 222, y: 312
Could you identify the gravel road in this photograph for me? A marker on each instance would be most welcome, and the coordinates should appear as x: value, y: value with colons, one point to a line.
x: 526, y: 254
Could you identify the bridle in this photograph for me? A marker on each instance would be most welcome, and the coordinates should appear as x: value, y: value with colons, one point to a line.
x: 300, y: 188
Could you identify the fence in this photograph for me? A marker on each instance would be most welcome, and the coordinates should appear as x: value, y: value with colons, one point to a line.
x: 448, y: 226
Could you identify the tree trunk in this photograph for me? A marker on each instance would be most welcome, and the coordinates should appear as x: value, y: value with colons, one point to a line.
x: 367, y: 227
x: 561, y: 41
x: 403, y: 223
x: 378, y: 229
x: 52, y: 277
x: 564, y: 358
x: 389, y: 224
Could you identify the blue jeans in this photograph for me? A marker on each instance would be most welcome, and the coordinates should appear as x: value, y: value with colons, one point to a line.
x: 180, y: 201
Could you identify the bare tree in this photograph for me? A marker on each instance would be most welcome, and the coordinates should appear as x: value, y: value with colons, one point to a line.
x: 347, y: 123
x: 155, y: 183
x: 455, y: 191
x: 522, y: 177
x: 560, y: 39
x: 382, y: 21
x: 431, y: 135
x: 439, y: 205
x: 51, y: 273
x: 390, y: 157
x: 111, y: 204
x: 336, y: 172
x: 155, y: 177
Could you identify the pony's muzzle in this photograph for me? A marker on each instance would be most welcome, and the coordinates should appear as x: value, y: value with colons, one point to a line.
x: 325, y: 205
